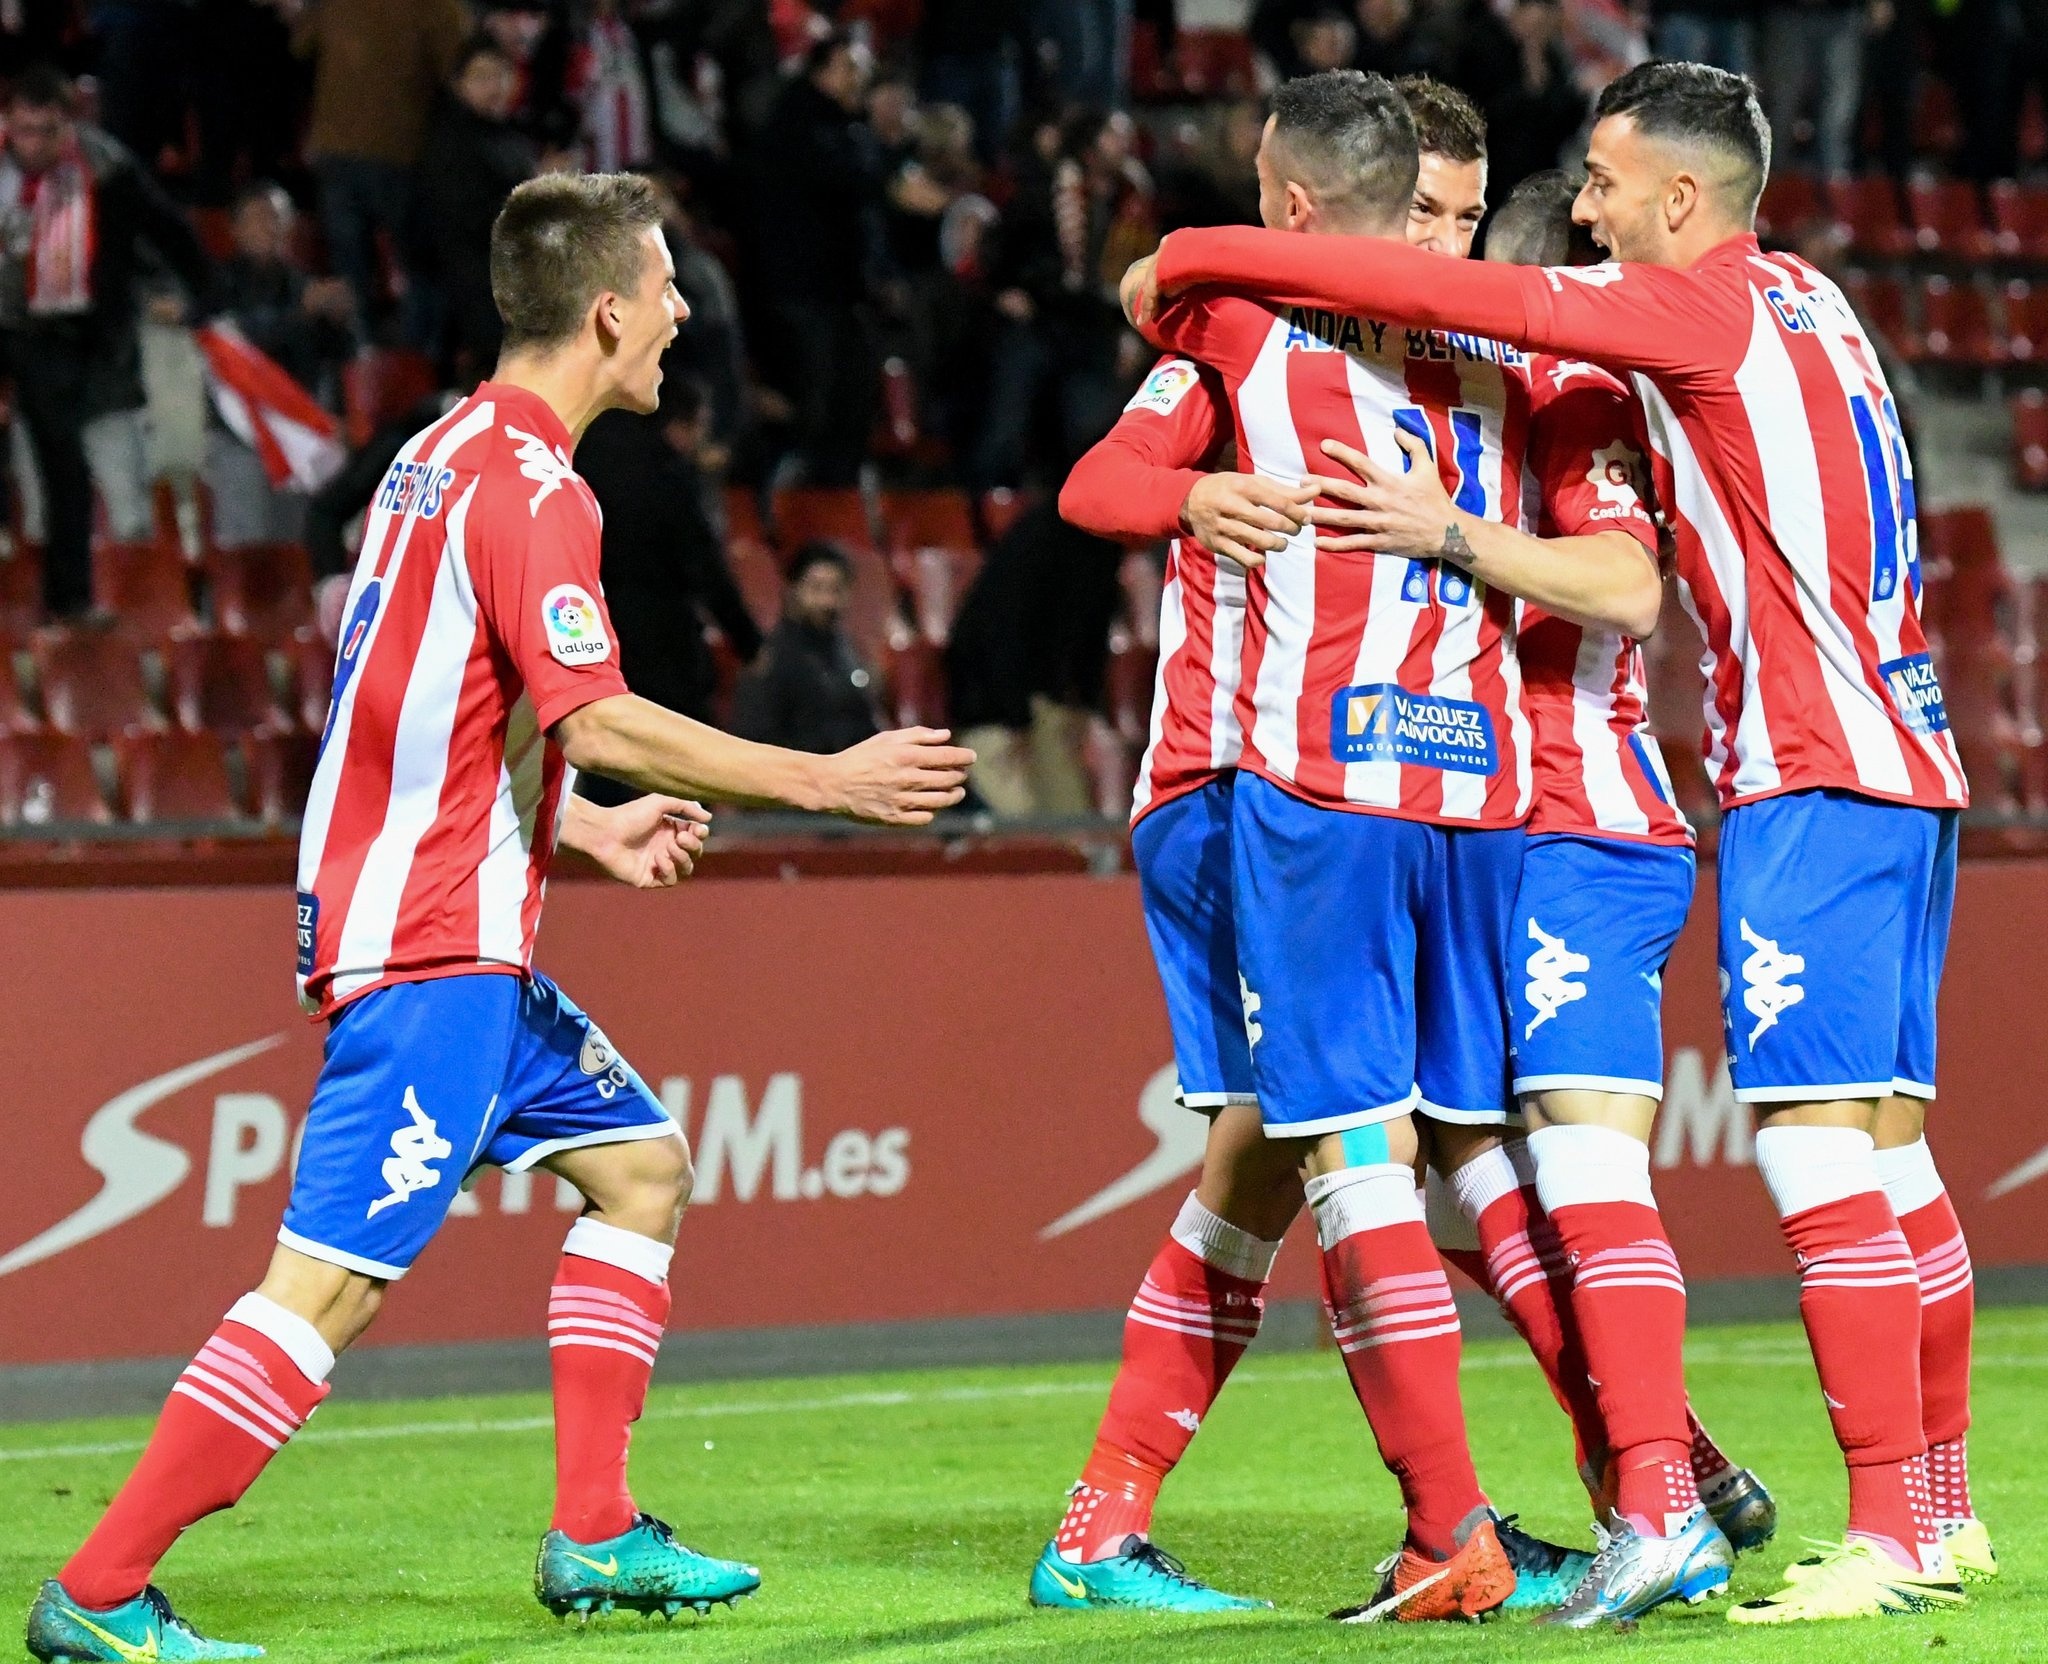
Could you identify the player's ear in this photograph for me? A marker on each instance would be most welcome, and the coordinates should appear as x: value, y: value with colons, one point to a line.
x: 610, y: 321
x: 1681, y: 198
x: 1300, y: 205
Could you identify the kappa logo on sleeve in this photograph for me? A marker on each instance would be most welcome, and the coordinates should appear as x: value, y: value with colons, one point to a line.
x: 575, y: 628
x: 1593, y: 277
x: 1165, y: 387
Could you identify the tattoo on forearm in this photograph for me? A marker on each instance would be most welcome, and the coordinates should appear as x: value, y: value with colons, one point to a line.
x: 1455, y: 549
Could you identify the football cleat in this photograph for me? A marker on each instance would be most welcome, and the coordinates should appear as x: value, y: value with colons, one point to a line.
x: 1969, y: 1550
x: 643, y: 1569
x: 138, y: 1629
x: 1633, y: 1574
x: 1745, y: 1511
x: 1545, y: 1573
x: 1853, y: 1580
x: 1415, y: 1589
x: 1144, y: 1577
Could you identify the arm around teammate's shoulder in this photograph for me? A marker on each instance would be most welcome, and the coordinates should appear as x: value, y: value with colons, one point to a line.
x: 895, y: 779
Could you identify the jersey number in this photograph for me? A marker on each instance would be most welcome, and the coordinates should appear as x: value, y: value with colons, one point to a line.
x: 1888, y: 477
x: 1468, y: 439
x: 348, y: 659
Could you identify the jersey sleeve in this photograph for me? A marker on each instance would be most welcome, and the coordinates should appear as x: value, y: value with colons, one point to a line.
x: 1668, y: 323
x: 1132, y: 482
x: 1586, y: 451
x: 535, y: 570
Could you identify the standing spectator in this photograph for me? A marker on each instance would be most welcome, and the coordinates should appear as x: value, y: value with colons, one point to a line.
x: 75, y: 213
x: 808, y: 689
x: 305, y: 324
x: 1090, y: 42
x: 1539, y: 106
x: 1717, y: 32
x: 1815, y: 48
x: 472, y: 158
x: 535, y: 36
x: 712, y: 352
x: 608, y: 82
x: 378, y: 66
x: 971, y: 52
x: 815, y: 257
x: 141, y: 67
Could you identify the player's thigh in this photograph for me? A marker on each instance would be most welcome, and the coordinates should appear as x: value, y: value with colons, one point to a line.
x: 1326, y: 905
x: 1182, y: 852
x: 1247, y: 1178
x: 1594, y: 924
x: 408, y: 1096
x: 1924, y: 956
x: 1822, y: 894
x: 575, y: 1104
x: 1461, y: 977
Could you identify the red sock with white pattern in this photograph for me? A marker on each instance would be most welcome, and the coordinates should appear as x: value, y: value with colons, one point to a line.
x: 1192, y: 1318
x: 1859, y: 1297
x: 1391, y: 1312
x: 1711, y: 1467
x: 251, y: 1387
x: 1941, y: 1261
x: 606, y: 1313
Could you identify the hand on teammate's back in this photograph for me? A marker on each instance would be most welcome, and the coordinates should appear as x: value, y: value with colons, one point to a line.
x: 901, y: 778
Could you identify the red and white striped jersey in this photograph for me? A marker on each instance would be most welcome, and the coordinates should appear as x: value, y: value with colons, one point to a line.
x: 1778, y: 460
x: 474, y: 623
x: 1597, y: 767
x: 1131, y: 485
x: 1374, y: 682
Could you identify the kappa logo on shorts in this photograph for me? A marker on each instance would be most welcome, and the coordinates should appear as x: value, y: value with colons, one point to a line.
x: 1766, y: 993
x: 1549, y: 967
x: 1254, y: 1030
x: 406, y: 1169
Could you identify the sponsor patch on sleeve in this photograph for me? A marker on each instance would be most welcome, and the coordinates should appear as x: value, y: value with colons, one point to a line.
x: 1916, y: 690
x: 1165, y: 387
x: 1382, y: 722
x: 308, y: 930
x: 575, y: 628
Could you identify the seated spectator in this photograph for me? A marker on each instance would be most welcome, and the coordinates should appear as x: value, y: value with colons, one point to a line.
x: 76, y: 213
x: 474, y: 155
x: 808, y: 690
x: 305, y: 324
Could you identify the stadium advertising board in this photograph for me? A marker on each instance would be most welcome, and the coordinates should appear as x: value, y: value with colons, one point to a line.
x: 910, y: 1098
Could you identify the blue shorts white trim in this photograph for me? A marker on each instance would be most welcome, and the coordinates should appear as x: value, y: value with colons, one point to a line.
x: 1834, y: 926
x: 426, y: 1081
x: 1373, y: 951
x: 1182, y: 852
x: 1595, y: 921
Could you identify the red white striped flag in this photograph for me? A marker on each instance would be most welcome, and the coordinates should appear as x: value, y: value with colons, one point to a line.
x: 299, y: 443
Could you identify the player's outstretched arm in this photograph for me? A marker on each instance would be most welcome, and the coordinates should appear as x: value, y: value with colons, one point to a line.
x: 1606, y: 579
x: 895, y: 779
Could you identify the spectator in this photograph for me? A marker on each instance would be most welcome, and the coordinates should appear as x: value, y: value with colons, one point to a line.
x: 1089, y: 42
x: 1815, y: 48
x: 1539, y: 106
x: 1301, y: 37
x: 472, y: 158
x: 377, y: 67
x: 815, y: 258
x: 971, y: 52
x: 608, y: 82
x: 1717, y: 32
x: 76, y: 212
x: 305, y: 324
x: 1393, y: 40
x: 248, y: 93
x: 141, y: 69
x: 808, y: 689
x: 535, y: 36
x: 711, y: 351
x: 665, y: 574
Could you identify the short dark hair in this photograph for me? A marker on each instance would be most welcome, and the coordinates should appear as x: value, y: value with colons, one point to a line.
x: 559, y: 242
x: 1700, y: 109
x: 1533, y: 227
x: 817, y: 552
x: 44, y: 87
x: 1352, y: 140
x: 1447, y: 123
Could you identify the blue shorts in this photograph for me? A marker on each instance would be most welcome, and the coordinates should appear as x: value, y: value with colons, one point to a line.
x: 1182, y: 849
x: 1595, y: 920
x: 1834, y: 924
x: 1374, y: 954
x: 424, y: 1081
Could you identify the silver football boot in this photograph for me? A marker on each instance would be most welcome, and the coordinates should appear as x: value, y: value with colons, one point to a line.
x: 1632, y: 1574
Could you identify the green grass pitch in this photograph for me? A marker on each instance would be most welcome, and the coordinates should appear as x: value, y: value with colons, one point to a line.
x: 895, y: 1517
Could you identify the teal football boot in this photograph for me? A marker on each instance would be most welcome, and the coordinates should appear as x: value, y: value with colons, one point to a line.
x: 643, y: 1569
x: 1545, y: 1573
x: 1142, y: 1578
x: 142, y: 1628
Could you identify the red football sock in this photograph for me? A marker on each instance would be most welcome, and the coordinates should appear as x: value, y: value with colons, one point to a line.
x: 227, y: 1415
x: 1710, y: 1464
x: 606, y: 1313
x: 1941, y: 1261
x: 1392, y: 1315
x: 1192, y: 1318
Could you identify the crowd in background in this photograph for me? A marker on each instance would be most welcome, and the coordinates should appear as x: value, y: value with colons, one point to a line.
x: 898, y: 225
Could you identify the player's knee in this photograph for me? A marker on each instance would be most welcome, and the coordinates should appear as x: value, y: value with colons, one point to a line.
x: 649, y: 1188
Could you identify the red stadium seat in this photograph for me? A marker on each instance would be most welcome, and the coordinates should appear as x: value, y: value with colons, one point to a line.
x: 92, y: 683
x: 1127, y: 686
x: 1140, y: 576
x: 1868, y: 205
x: 175, y: 777
x: 1112, y: 766
x: 916, y: 678
x: 1959, y: 539
x: 2026, y: 321
x: 221, y: 685
x: 1956, y: 325
x: 1880, y: 301
x: 48, y: 779
x: 379, y: 385
x: 2030, y: 439
x: 805, y: 513
x: 758, y: 571
x: 937, y: 580
x: 2019, y: 215
x: 1948, y: 218
x: 15, y: 716
x: 874, y: 614
x: 743, y: 513
x: 144, y: 586
x: 928, y: 520
x: 280, y: 774
x: 264, y: 590
x: 1214, y: 63
x: 312, y: 678
x: 21, y: 589
x: 896, y: 431
x: 215, y: 228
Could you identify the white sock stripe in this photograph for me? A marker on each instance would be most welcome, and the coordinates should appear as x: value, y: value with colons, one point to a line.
x: 1810, y: 1167
x: 1200, y: 1331
x: 1506, y: 1288
x: 598, y: 1308
x: 186, y: 1389
x: 1909, y: 1177
x: 1946, y: 1288
x: 602, y: 1298
x: 1199, y: 1317
x: 1367, y: 1344
x: 1943, y: 1255
x: 1859, y: 1282
x: 1352, y: 1321
x: 1484, y: 1180
x: 1634, y: 1253
x: 600, y: 1326
x: 640, y: 1352
x: 283, y: 1426
x: 1149, y: 1290
x: 237, y: 1365
x: 1671, y: 1285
